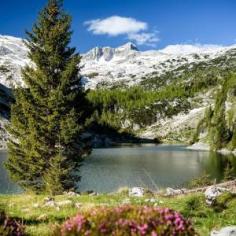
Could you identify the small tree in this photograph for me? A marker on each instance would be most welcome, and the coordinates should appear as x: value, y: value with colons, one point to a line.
x: 48, y: 116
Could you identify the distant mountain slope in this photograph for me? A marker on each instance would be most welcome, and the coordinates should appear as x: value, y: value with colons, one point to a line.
x: 108, y: 66
x: 218, y: 126
x: 153, y: 94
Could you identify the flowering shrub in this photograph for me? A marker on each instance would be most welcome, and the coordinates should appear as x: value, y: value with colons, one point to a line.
x: 127, y: 220
x: 10, y: 226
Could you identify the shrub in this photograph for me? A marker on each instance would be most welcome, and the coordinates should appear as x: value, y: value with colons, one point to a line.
x: 10, y: 226
x: 223, y: 201
x: 193, y: 207
x: 201, y: 181
x: 127, y: 220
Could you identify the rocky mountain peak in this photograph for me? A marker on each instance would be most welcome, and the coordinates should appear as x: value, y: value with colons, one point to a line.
x: 128, y: 46
x: 108, y: 53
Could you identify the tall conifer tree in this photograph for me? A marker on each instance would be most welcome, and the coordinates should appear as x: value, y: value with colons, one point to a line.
x: 48, y: 116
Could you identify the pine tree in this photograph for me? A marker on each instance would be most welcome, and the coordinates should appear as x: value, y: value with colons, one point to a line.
x: 48, y: 116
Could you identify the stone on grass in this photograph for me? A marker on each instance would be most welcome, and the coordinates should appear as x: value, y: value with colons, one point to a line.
x: 212, y: 193
x: 227, y: 231
x: 136, y: 192
x: 64, y: 203
x: 93, y: 194
x: 173, y: 192
x: 49, y: 202
x: 71, y: 194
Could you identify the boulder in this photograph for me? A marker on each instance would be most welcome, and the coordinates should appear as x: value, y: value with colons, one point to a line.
x: 212, y: 193
x: 227, y: 231
x: 173, y: 192
x: 64, y: 203
x: 71, y: 194
x: 49, y: 202
x: 136, y: 192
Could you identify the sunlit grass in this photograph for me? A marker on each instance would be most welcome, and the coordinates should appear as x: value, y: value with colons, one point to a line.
x: 39, y: 220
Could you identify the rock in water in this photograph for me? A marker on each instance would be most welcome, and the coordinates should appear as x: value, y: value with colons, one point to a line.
x: 227, y: 231
x: 212, y: 193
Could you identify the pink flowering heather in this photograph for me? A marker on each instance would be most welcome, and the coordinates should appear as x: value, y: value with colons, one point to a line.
x: 127, y: 220
x: 10, y: 226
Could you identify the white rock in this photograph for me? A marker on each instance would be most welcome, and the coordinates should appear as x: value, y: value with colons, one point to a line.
x: 173, y: 192
x: 50, y: 203
x: 227, y: 231
x: 136, y: 192
x: 212, y: 193
x: 72, y: 194
x: 64, y: 203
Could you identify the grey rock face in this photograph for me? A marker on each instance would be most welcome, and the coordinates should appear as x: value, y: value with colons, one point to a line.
x: 136, y: 192
x: 212, y: 193
x: 227, y: 231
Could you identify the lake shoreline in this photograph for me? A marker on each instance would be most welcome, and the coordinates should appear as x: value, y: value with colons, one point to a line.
x: 151, y: 166
x: 206, y: 147
x: 36, y: 208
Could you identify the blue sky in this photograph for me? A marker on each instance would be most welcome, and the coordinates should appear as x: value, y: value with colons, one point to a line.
x: 149, y: 23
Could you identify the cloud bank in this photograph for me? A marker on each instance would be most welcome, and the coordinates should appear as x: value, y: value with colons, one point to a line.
x: 131, y: 28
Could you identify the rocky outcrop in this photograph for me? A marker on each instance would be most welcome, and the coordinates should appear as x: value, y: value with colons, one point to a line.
x: 212, y: 193
x: 227, y: 231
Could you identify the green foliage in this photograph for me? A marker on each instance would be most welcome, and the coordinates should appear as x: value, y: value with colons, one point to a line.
x: 137, y: 104
x: 204, y: 218
x: 192, y: 205
x: 220, y: 124
x: 48, y: 116
x: 229, y: 172
x: 202, y: 181
x: 223, y: 201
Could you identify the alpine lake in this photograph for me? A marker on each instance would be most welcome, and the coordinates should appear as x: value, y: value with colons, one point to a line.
x: 149, y: 166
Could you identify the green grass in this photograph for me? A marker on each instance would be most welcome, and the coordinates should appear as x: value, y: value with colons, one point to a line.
x: 192, y: 206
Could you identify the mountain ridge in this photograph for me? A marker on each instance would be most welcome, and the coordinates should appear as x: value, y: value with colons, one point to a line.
x: 153, y: 94
x: 110, y: 65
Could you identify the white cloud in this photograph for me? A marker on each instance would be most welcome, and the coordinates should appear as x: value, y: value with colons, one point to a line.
x: 133, y: 29
x: 116, y: 25
x: 149, y: 39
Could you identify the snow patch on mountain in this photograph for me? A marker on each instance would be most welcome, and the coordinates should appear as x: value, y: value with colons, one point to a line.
x: 13, y: 56
x: 106, y: 65
x: 129, y: 65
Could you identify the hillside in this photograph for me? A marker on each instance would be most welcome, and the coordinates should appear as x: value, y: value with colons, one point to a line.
x: 218, y: 127
x: 153, y: 94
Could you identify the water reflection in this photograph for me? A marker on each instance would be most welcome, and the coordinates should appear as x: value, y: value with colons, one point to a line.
x: 150, y: 166
x: 153, y: 167
x: 221, y: 166
x: 6, y: 186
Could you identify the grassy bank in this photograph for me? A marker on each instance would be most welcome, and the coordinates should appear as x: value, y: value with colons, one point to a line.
x: 39, y: 220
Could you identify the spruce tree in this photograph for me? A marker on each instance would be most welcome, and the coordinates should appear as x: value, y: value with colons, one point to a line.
x: 48, y: 116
